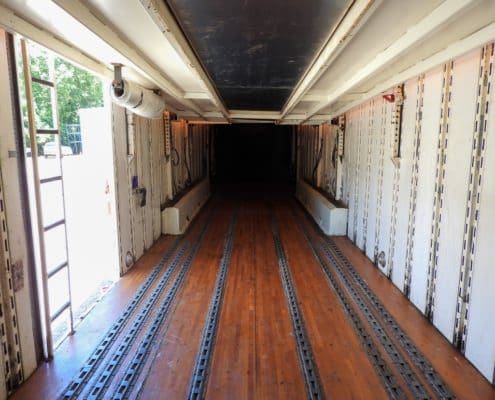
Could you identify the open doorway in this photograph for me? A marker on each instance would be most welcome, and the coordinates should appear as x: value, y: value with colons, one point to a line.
x: 70, y: 173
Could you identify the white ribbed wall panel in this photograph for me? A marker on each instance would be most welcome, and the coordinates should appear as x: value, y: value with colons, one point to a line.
x: 352, y: 139
x: 139, y: 227
x: 364, y: 134
x: 406, y: 162
x: 480, y: 344
x: 414, y: 207
x: 387, y: 186
x: 372, y: 209
x: 460, y: 140
x: 426, y: 185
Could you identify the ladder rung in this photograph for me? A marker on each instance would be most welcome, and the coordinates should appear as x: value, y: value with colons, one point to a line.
x: 58, y: 269
x: 51, y: 179
x: 60, y: 311
x: 47, y: 131
x: 54, y: 225
x: 43, y: 82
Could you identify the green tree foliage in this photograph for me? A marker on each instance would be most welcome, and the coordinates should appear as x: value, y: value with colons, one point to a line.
x: 76, y: 89
x: 41, y: 94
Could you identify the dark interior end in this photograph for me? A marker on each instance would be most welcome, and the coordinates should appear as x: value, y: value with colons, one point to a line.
x: 253, y: 153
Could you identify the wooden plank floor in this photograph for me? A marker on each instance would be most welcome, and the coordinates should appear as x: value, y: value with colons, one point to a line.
x: 290, y: 297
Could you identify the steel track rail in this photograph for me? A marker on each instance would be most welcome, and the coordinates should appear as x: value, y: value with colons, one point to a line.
x: 434, y: 379
x: 409, y: 376
x: 111, y: 366
x: 438, y: 385
x: 143, y: 351
x: 309, y: 368
x: 203, y: 360
x: 74, y: 388
x: 386, y: 375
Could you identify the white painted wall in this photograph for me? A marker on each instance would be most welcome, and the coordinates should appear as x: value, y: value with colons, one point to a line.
x: 480, y: 345
x: 426, y: 184
x: 387, y: 186
x: 362, y: 187
x: 139, y: 227
x: 462, y: 115
x: 350, y: 166
x: 373, y: 178
x: 406, y: 162
x: 364, y: 134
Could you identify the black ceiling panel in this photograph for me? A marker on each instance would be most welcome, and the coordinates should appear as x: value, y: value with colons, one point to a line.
x: 256, y: 51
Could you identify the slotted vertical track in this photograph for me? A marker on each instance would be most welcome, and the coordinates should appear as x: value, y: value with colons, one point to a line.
x: 9, y: 333
x: 443, y: 137
x: 371, y: 135
x: 414, y: 186
x: 381, y: 168
x: 396, y: 158
x: 485, y: 83
x: 356, y: 182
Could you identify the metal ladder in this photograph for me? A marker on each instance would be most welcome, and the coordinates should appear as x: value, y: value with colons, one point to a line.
x: 51, y: 218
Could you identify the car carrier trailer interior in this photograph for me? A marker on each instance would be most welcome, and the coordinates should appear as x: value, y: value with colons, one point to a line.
x: 246, y: 199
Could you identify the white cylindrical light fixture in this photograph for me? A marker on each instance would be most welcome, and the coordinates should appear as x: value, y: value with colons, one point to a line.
x: 141, y: 101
